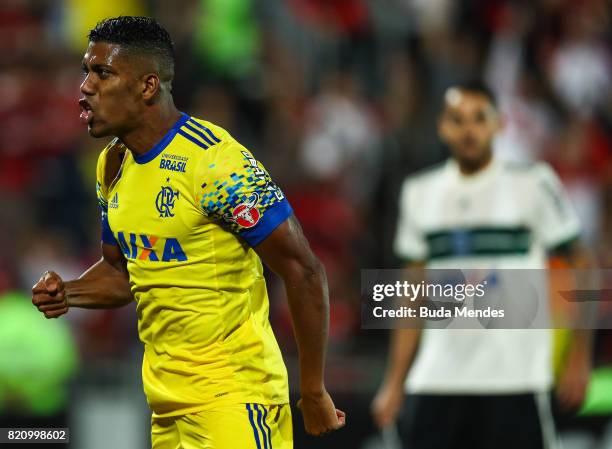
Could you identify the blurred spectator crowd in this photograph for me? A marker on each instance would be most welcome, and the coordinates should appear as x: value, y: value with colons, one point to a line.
x: 338, y: 99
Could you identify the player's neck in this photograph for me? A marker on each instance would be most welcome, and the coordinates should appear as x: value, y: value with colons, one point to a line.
x: 154, y: 126
x: 472, y: 168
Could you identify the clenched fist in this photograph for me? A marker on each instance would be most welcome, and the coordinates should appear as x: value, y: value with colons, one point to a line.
x: 320, y: 415
x: 49, y: 296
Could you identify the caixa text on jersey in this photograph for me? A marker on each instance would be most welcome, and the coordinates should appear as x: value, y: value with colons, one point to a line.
x: 150, y: 247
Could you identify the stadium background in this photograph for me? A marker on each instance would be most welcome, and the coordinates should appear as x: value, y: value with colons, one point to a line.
x: 338, y: 99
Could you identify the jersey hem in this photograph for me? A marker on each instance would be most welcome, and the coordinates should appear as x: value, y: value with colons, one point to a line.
x: 478, y: 389
x: 217, y: 404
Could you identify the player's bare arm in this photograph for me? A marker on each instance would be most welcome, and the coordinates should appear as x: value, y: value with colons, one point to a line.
x: 287, y: 253
x: 403, y: 345
x: 103, y: 286
x: 390, y: 396
x: 572, y: 385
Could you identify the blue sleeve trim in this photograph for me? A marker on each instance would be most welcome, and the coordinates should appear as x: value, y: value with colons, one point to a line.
x: 107, y: 233
x: 271, y: 219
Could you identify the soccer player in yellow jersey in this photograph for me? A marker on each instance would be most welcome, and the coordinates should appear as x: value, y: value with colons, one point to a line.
x: 187, y: 216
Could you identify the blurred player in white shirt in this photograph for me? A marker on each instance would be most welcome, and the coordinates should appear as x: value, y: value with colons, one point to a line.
x: 480, y: 388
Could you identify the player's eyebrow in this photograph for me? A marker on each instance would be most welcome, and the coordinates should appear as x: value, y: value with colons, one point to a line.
x: 96, y: 67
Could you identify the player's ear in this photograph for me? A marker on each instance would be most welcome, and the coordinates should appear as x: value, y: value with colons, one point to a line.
x: 150, y: 86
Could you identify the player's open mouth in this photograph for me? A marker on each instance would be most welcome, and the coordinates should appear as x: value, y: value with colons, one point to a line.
x: 86, y: 112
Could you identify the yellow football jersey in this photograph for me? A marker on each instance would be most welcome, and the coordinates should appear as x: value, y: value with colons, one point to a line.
x: 186, y: 215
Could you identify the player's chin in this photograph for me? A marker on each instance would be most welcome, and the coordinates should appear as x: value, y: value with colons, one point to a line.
x: 472, y: 155
x: 97, y: 129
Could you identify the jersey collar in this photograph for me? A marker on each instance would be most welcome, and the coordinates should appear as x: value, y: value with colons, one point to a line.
x: 489, y: 170
x: 162, y: 144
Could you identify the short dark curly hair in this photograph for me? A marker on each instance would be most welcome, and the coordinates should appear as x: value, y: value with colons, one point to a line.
x: 138, y: 34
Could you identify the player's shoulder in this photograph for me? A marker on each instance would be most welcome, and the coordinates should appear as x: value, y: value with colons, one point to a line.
x: 204, y: 134
x: 216, y: 130
x: 529, y: 170
x: 518, y: 167
x: 217, y: 142
x: 109, y: 161
x: 227, y: 150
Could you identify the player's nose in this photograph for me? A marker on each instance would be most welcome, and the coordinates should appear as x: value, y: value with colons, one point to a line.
x: 87, y: 87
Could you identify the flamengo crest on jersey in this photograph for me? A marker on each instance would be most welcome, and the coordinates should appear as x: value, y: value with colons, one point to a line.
x: 165, y: 201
